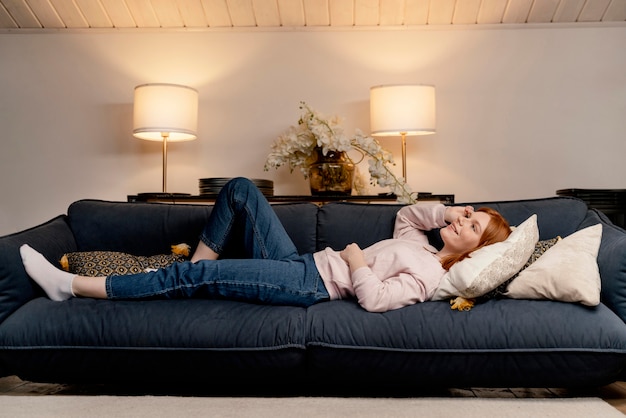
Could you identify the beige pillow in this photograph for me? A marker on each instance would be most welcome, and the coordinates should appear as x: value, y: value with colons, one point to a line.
x: 490, y: 266
x: 567, y: 272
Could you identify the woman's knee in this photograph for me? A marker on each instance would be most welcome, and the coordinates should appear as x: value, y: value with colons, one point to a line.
x: 240, y: 182
x: 240, y: 189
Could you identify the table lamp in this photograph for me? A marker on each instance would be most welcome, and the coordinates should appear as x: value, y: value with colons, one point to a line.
x: 404, y: 110
x: 165, y: 112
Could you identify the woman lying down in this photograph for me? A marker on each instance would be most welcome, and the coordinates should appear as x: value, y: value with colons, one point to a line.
x: 387, y: 275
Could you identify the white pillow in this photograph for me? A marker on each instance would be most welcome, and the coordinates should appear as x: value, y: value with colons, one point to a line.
x: 490, y: 266
x: 567, y: 272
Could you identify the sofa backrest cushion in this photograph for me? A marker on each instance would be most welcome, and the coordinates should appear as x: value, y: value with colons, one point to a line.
x: 555, y: 215
x: 52, y: 239
x: 300, y: 222
x: 150, y: 228
x: 342, y: 223
x: 134, y: 228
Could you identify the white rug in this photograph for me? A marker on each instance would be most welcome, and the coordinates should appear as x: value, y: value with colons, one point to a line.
x: 301, y: 407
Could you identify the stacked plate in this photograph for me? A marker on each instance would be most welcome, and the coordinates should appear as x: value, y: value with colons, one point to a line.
x: 213, y: 185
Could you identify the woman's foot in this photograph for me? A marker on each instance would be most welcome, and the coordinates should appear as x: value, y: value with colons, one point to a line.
x: 55, y: 282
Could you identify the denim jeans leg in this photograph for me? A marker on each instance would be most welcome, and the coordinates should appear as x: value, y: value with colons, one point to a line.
x: 294, y: 282
x: 243, y: 222
x: 272, y: 272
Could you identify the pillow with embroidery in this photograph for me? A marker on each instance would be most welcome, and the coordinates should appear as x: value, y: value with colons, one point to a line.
x: 106, y: 263
x: 488, y: 267
x: 540, y: 248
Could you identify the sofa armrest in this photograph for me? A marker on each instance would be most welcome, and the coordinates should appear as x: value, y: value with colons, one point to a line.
x: 611, y: 262
x: 52, y: 239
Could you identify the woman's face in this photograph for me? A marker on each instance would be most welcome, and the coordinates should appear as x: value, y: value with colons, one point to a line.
x: 464, y: 233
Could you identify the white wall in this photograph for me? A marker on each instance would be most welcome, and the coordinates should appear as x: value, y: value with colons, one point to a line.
x: 521, y: 112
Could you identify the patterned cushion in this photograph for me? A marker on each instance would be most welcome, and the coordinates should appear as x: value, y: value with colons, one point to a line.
x: 540, y: 248
x: 106, y: 263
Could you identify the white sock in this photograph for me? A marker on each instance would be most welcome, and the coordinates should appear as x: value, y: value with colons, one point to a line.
x: 55, y: 282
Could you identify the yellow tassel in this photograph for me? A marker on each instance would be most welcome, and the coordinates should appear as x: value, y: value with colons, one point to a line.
x: 65, y: 264
x: 461, y: 304
x: 181, y: 249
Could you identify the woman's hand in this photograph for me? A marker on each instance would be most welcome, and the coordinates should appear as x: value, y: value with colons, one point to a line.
x: 453, y: 213
x: 353, y: 256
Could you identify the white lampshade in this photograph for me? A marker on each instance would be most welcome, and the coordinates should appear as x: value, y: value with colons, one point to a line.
x: 168, y: 109
x: 166, y: 113
x: 402, y: 109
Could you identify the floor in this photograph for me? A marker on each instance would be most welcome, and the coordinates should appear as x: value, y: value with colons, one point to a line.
x: 614, y: 394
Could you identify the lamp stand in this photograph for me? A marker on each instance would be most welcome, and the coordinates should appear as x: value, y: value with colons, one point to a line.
x: 403, y: 135
x: 164, y: 193
x: 165, y: 136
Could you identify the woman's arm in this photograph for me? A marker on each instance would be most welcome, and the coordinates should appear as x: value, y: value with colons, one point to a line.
x: 423, y: 217
x: 413, y: 220
x: 375, y: 295
x: 454, y: 212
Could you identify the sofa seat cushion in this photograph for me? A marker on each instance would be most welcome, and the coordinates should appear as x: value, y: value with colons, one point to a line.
x: 497, y: 343
x: 231, y: 335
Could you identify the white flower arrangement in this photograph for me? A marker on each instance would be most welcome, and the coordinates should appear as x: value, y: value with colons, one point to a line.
x: 297, y: 147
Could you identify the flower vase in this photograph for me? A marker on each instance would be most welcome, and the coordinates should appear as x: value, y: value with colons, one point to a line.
x: 331, y: 174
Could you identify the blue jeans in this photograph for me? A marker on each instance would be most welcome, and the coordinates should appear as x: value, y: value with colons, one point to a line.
x: 267, y: 268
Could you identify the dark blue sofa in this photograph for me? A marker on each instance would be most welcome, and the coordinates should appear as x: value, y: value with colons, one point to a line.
x: 334, y: 345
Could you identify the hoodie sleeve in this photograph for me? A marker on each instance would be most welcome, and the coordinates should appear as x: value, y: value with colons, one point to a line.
x: 376, y: 295
x: 412, y: 220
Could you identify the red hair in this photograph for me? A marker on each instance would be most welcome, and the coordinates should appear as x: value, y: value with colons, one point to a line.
x: 497, y: 230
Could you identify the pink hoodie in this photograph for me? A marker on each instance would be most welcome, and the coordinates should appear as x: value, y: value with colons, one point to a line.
x: 401, y: 271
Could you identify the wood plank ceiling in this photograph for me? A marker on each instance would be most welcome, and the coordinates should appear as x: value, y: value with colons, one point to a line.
x: 33, y: 15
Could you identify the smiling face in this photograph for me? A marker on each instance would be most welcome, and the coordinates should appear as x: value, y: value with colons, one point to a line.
x: 464, y: 233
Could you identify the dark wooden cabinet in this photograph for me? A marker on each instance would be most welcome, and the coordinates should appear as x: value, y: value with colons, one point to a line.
x: 447, y: 199
x: 611, y: 202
